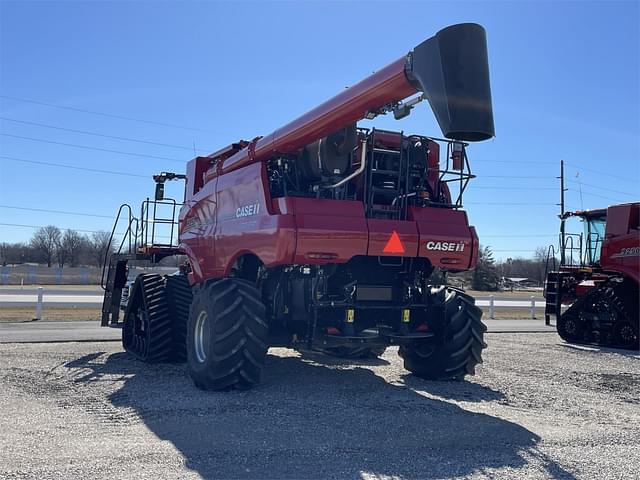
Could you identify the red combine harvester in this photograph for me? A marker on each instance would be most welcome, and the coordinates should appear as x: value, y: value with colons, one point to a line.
x: 322, y: 235
x: 598, y: 279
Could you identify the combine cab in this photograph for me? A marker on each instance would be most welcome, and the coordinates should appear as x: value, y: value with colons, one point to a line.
x: 323, y: 235
x: 594, y: 292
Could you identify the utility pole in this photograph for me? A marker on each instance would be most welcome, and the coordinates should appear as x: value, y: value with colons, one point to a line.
x: 562, y: 219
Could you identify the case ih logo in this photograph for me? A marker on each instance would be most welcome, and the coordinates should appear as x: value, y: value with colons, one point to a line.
x: 247, y: 210
x: 446, y: 246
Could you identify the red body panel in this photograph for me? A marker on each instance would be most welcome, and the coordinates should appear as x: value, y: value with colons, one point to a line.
x: 380, y: 232
x: 621, y: 245
x: 234, y: 215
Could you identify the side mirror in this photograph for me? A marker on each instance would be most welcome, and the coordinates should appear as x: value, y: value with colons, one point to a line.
x: 159, y: 191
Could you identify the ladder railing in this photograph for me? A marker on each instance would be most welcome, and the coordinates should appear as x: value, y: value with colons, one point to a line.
x: 382, y: 181
x: 150, y: 219
x: 452, y: 175
x: 552, y: 280
x: 569, y: 248
x: 130, y: 238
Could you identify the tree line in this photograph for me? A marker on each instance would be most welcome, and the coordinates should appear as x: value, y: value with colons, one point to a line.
x: 52, y: 247
x: 490, y: 274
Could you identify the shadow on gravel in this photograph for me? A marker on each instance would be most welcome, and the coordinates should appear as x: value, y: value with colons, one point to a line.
x: 600, y: 349
x: 313, y: 420
x: 461, y: 391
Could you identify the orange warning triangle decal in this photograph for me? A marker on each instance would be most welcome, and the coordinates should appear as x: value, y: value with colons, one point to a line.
x: 394, y: 245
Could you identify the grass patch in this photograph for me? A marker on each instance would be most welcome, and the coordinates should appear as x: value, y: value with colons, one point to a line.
x: 512, y: 313
x: 506, y: 294
x: 89, y: 288
x: 49, y: 314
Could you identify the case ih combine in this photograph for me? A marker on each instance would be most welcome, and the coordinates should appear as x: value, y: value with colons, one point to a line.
x: 322, y: 235
x: 598, y: 278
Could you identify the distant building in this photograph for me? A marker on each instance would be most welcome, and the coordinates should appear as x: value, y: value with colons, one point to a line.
x: 518, y: 283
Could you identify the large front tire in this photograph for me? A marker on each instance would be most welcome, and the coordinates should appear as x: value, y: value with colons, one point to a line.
x: 462, y: 348
x: 227, y: 335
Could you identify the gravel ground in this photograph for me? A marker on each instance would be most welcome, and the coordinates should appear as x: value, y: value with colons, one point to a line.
x: 536, y: 409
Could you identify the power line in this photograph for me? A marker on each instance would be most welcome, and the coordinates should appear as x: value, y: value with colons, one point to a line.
x: 73, y: 167
x: 602, y: 188
x: 102, y: 114
x: 512, y: 161
x: 499, y: 187
x: 21, y: 225
x: 596, y: 195
x: 528, y: 177
x: 519, y: 236
x: 87, y: 147
x: 511, y: 203
x: 57, y: 211
x: 600, y: 172
x: 96, y: 134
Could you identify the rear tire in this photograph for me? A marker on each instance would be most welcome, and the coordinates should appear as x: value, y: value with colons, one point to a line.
x: 462, y: 348
x: 147, y: 330
x: 227, y: 335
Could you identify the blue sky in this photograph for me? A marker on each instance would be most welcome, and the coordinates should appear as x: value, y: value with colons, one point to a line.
x: 565, y: 82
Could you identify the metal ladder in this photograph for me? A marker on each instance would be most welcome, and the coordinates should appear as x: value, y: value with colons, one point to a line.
x: 551, y: 287
x: 396, y: 180
x: 552, y: 299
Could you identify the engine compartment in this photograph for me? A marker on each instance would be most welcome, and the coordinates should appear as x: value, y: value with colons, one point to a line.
x: 387, y: 171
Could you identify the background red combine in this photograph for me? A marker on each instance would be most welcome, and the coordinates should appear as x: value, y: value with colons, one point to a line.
x: 322, y: 235
x: 598, y: 278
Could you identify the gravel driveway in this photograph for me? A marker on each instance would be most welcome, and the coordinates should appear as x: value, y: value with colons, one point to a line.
x: 536, y: 409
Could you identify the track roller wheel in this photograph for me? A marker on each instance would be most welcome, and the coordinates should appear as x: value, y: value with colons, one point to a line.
x: 570, y: 328
x: 462, y: 348
x: 227, y: 335
x: 179, y: 297
x: 625, y: 335
x: 147, y: 331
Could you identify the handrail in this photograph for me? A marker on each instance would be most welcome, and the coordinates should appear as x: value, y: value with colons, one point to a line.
x: 107, y: 252
x: 567, y: 245
x: 551, y: 254
x: 463, y: 176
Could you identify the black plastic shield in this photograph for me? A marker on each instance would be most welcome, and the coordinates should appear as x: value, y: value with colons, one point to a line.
x: 452, y: 70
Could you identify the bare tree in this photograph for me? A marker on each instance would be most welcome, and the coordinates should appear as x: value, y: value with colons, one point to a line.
x: 70, y: 247
x: 542, y: 260
x: 4, y: 253
x: 99, y: 245
x: 46, y: 241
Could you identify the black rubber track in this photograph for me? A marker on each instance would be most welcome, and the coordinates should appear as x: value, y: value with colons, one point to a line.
x: 609, y: 300
x: 462, y: 349
x: 147, y: 331
x: 179, y: 298
x: 235, y: 335
x: 626, y: 330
